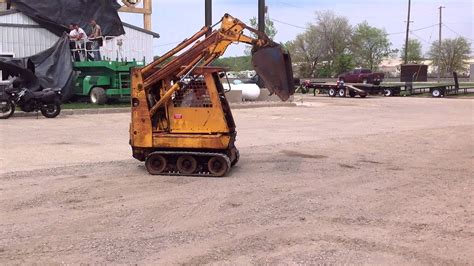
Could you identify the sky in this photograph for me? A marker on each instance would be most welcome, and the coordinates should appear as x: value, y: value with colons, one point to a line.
x: 176, y: 20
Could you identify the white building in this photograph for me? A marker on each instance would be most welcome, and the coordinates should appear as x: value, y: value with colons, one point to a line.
x: 20, y: 36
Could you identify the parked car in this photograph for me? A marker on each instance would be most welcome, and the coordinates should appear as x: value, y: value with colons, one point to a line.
x: 362, y: 75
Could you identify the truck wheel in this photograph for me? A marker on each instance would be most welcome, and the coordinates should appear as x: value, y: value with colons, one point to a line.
x: 352, y: 94
x: 341, y: 92
x: 387, y: 92
x: 98, y: 95
x: 436, y: 93
x: 363, y: 95
x: 377, y: 83
x: 332, y: 92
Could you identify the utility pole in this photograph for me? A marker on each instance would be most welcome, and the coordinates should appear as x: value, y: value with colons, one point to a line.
x: 208, y: 15
x: 261, y: 15
x: 439, y: 41
x: 408, y: 30
x: 130, y: 6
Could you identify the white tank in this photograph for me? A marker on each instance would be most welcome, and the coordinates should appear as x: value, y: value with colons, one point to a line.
x: 250, y: 92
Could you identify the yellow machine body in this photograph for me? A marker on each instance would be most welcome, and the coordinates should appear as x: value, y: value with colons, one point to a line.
x: 181, y: 120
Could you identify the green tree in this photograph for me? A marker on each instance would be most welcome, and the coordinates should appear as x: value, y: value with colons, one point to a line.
x: 343, y: 63
x: 307, y: 51
x: 451, y: 56
x: 327, y: 41
x: 237, y: 63
x: 270, y: 28
x: 369, y: 45
x: 414, y: 55
x: 336, y: 34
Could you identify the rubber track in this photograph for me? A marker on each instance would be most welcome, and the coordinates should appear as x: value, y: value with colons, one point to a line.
x: 207, y: 154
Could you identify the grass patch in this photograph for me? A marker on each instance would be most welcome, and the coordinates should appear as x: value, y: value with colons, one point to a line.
x: 79, y: 105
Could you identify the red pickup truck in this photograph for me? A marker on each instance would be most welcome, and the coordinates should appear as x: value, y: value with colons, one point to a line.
x: 362, y: 75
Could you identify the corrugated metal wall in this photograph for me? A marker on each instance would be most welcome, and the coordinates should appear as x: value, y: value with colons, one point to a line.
x: 31, y: 39
x: 135, y: 45
x: 23, y: 41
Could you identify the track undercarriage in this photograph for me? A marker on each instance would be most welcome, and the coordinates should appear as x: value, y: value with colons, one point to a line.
x: 190, y: 163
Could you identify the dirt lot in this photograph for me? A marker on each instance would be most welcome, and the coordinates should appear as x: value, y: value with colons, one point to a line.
x: 376, y: 180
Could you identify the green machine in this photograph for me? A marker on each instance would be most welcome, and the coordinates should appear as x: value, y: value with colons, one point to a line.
x: 103, y: 80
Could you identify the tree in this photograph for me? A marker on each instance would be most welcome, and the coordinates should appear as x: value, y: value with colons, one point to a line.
x: 414, y: 55
x: 270, y: 28
x: 451, y: 56
x: 336, y: 33
x: 325, y: 41
x: 307, y: 51
x: 343, y: 63
x: 369, y: 45
x: 238, y: 63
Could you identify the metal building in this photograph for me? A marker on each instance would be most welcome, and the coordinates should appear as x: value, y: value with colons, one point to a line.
x: 20, y: 36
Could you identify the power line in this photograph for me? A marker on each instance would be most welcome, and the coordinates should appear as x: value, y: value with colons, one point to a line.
x: 165, y: 44
x: 288, y: 4
x: 289, y: 24
x: 393, y: 33
x: 444, y: 24
x: 424, y: 28
x: 422, y: 39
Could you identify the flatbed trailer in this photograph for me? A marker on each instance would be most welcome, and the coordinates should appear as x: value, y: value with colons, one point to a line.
x: 353, y: 89
x: 442, y: 90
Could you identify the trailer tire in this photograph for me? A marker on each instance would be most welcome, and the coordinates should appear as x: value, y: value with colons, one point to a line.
x: 377, y: 83
x: 436, y: 93
x: 332, y: 92
x: 352, y: 94
x: 304, y: 90
x: 341, y: 92
x: 387, y: 92
x: 363, y: 95
x: 98, y: 96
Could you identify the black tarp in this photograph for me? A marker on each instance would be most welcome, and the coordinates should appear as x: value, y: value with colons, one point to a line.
x: 56, y: 15
x: 16, y: 68
x: 52, y: 68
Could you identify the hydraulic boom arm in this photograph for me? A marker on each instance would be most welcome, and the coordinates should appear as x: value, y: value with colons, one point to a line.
x: 205, y: 51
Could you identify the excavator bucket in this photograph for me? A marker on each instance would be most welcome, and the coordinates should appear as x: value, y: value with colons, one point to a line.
x: 273, y: 65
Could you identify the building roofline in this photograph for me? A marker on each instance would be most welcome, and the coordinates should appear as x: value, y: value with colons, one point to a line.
x: 154, y: 34
x: 8, y: 12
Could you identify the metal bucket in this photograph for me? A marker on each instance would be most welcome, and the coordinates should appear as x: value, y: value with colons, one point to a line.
x: 273, y: 65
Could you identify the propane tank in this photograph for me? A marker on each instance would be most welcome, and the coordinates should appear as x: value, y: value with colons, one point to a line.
x: 250, y: 92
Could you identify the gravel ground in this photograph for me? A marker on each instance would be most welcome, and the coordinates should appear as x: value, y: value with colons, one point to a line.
x: 372, y: 181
